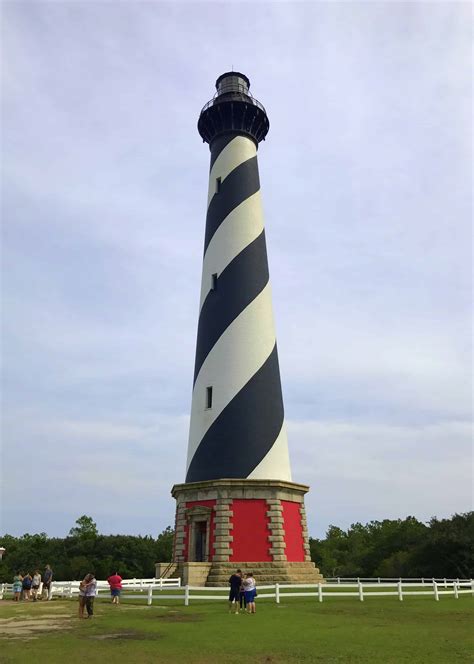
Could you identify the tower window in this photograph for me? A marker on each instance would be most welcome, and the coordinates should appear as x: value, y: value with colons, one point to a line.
x: 214, y: 282
x: 218, y: 185
x: 208, y: 397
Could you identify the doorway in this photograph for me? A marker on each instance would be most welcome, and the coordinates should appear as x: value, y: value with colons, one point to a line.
x: 200, y: 532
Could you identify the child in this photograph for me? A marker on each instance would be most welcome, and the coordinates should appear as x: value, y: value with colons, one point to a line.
x: 26, y: 585
x: 17, y: 586
x: 35, y: 585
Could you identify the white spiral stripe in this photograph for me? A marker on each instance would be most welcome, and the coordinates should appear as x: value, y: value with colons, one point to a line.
x: 241, y: 227
x: 275, y: 465
x: 235, y: 153
x: 238, y: 354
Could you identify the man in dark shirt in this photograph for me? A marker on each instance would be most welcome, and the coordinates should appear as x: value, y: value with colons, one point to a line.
x: 47, y: 578
x: 235, y: 582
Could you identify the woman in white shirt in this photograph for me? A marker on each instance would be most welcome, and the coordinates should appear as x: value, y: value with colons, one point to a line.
x: 250, y: 592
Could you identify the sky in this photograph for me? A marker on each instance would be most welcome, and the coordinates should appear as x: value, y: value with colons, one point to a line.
x: 366, y: 185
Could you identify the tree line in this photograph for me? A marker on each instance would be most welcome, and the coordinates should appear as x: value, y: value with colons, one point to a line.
x: 399, y: 548
x: 84, y: 550
x: 388, y: 548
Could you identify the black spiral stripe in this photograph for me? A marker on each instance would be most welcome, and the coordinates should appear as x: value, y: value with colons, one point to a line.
x: 238, y: 285
x: 245, y: 430
x: 236, y: 188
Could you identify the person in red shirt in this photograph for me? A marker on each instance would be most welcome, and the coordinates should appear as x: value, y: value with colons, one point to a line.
x: 115, y: 583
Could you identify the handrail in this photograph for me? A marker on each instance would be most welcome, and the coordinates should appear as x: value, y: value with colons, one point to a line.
x: 166, y: 570
x: 217, y: 100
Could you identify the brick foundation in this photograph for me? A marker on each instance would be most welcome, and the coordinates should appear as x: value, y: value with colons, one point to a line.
x: 262, y: 521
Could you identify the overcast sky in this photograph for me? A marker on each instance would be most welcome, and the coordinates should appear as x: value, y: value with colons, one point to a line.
x: 365, y: 178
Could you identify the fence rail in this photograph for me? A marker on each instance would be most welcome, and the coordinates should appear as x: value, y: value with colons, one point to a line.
x: 379, y: 579
x: 321, y: 591
x: 361, y: 589
x: 69, y: 589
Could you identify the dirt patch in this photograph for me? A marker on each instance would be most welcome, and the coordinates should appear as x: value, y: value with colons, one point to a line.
x: 175, y: 616
x: 30, y: 628
x: 126, y: 636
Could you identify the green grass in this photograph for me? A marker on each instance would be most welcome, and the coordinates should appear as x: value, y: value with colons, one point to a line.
x: 298, y: 630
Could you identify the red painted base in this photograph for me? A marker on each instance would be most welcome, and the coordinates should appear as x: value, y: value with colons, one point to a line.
x: 240, y: 520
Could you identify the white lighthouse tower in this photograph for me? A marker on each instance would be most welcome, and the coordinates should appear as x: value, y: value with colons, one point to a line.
x: 238, y: 505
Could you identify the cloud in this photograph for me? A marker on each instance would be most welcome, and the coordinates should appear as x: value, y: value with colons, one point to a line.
x: 381, y: 471
x: 367, y: 195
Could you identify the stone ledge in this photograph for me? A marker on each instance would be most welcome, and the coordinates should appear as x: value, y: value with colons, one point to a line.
x: 213, y: 486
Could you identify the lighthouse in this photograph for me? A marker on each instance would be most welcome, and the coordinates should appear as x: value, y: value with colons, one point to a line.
x: 238, y: 506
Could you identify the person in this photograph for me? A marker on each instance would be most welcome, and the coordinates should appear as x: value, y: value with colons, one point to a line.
x: 17, y: 586
x: 115, y: 583
x: 250, y: 591
x: 47, y: 579
x: 235, y: 581
x: 90, y: 591
x: 35, y: 584
x: 243, y: 603
x: 82, y: 595
x: 26, y: 585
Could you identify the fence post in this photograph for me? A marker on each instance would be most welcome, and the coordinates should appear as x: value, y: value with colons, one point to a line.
x: 455, y: 589
x: 186, y: 595
x: 378, y: 579
x: 161, y: 583
x: 277, y: 593
x: 320, y: 592
x: 435, y: 590
x: 472, y: 587
x: 400, y: 591
x: 361, y: 591
x: 422, y: 581
x: 150, y: 595
x: 445, y: 583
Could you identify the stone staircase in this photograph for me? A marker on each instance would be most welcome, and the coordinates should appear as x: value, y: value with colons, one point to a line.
x: 266, y: 573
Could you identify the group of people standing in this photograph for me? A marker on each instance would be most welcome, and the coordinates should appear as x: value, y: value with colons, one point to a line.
x: 27, y: 586
x: 88, y: 591
x: 243, y: 591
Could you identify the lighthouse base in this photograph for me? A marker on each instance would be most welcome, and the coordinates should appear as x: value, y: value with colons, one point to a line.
x: 257, y: 525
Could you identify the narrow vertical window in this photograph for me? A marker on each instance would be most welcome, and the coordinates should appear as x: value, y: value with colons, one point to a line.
x: 208, y: 397
x: 214, y: 282
x: 218, y: 185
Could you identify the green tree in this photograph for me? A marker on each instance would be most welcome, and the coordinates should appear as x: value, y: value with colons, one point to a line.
x: 164, y: 546
x: 85, y: 528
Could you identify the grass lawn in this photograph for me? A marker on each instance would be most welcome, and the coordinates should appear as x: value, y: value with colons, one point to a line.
x: 298, y: 630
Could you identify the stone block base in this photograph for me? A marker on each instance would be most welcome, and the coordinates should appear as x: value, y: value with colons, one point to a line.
x: 214, y: 518
x: 193, y: 574
x: 266, y: 573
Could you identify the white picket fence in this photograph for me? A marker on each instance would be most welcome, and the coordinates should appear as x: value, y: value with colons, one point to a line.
x: 69, y: 589
x: 397, y: 579
x: 320, y: 591
x: 152, y: 589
